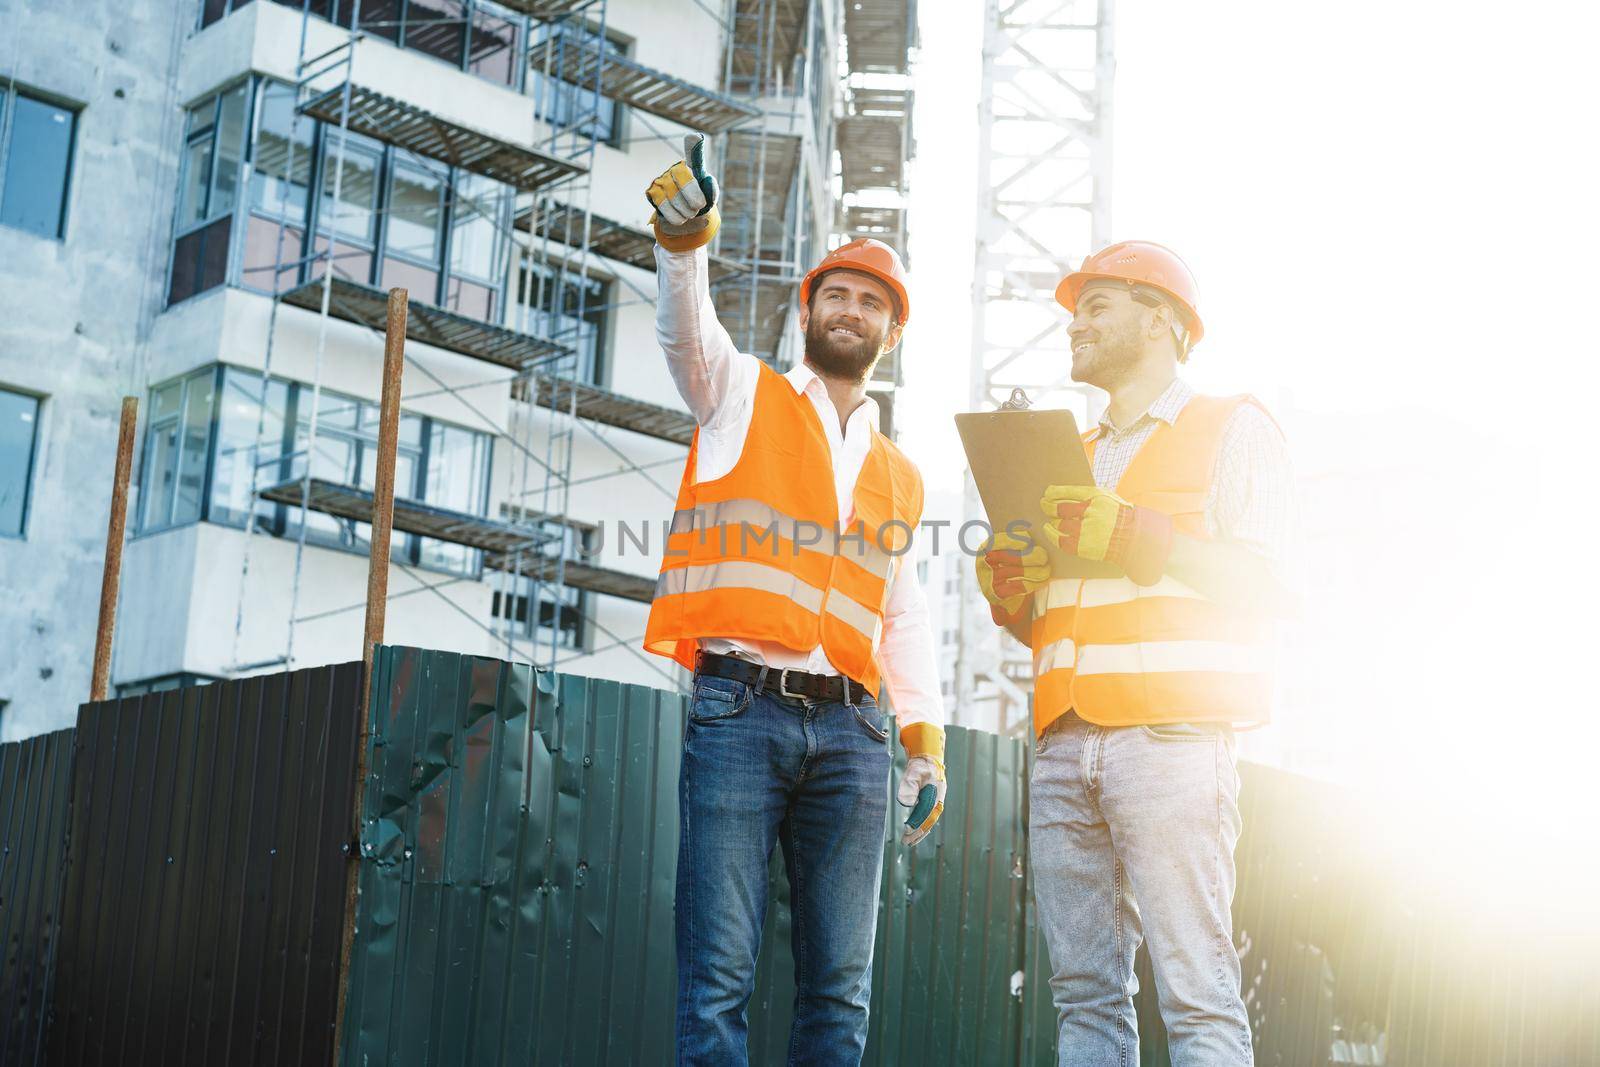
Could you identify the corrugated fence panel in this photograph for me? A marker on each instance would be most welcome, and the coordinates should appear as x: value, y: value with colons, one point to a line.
x: 519, y: 846
x: 205, y: 882
x: 35, y: 799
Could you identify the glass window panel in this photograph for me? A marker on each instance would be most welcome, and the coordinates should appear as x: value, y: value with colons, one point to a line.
x: 348, y: 262
x: 238, y: 416
x: 456, y: 469
x: 477, y: 244
x: 560, y: 103
x: 263, y: 253
x: 421, y: 283
x: 334, y: 410
x: 212, y: 11
x: 282, y: 161
x: 230, y: 150
x: 437, y: 27
x: 456, y: 479
x: 198, y: 402
x: 166, y: 400
x: 405, y: 471
x: 38, y: 160
x: 185, y: 267
x: 471, y: 299
x: 357, y: 215
x: 203, y: 115
x: 214, y: 254
x: 19, y: 420
x: 196, y: 178
x: 492, y: 46
x: 545, y: 312
x: 410, y: 425
x: 416, y: 213
x: 160, y: 475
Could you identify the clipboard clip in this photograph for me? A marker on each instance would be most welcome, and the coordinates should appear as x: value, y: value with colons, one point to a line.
x: 1017, y: 401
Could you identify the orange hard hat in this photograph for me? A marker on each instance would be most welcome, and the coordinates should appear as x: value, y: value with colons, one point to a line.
x: 1139, y: 263
x: 869, y: 257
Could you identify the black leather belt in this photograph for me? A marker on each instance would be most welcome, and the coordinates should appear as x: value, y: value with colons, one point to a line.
x: 802, y: 685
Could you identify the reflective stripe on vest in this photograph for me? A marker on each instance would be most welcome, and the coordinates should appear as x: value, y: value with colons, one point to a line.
x: 762, y: 521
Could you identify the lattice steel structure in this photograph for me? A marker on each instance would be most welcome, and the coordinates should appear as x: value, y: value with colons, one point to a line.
x: 1044, y: 202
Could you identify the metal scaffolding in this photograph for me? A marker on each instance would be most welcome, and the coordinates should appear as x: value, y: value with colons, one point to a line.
x: 775, y: 119
x: 1044, y: 202
x: 545, y: 361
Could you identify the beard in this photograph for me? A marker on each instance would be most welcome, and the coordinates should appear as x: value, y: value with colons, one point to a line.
x: 839, y: 357
x: 1108, y: 358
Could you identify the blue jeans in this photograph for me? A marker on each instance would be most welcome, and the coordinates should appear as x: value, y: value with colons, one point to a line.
x: 760, y: 770
x: 1131, y: 831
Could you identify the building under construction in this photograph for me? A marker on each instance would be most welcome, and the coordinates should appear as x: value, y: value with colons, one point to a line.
x: 205, y: 203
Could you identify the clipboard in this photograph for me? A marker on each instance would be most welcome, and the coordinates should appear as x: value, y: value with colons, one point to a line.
x: 1014, y: 456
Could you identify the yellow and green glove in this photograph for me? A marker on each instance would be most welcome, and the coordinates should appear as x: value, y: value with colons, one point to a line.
x: 922, y: 785
x: 1097, y: 524
x: 685, y: 200
x: 1008, y: 573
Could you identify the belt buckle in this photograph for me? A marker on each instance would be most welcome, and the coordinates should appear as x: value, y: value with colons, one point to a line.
x: 783, y: 685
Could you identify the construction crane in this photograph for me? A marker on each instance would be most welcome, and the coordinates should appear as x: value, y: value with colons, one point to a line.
x: 1044, y: 202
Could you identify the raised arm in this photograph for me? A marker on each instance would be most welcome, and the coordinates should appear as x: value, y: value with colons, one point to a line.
x: 711, y: 375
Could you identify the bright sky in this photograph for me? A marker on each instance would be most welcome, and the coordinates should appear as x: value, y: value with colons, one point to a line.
x: 1391, y: 210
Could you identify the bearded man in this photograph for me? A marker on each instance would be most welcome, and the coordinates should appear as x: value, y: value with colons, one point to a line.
x: 784, y: 588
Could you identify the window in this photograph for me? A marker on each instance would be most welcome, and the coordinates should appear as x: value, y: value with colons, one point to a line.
x: 562, y: 608
x: 564, y: 307
x: 477, y: 36
x: 176, y: 450
x: 561, y: 103
x: 435, y: 462
x: 280, y: 187
x: 393, y: 218
x: 478, y: 248
x: 35, y: 163
x: 19, y: 438
x: 208, y: 187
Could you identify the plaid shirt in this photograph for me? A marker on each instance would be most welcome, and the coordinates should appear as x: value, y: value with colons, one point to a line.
x: 1251, y: 501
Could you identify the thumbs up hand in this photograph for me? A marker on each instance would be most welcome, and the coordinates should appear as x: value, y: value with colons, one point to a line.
x: 684, y: 197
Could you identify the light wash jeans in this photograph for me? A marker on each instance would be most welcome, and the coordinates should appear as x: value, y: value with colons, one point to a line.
x: 760, y: 772
x: 1131, y: 832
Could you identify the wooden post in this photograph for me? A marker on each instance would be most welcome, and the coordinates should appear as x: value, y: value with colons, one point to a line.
x: 116, y: 527
x: 394, y: 361
x: 394, y: 357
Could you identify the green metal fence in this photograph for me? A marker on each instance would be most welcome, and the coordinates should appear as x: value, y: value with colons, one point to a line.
x: 517, y: 856
x: 521, y: 836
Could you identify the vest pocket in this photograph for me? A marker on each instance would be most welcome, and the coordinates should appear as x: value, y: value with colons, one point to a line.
x: 717, y: 698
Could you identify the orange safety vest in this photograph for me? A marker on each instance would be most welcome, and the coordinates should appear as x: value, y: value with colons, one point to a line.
x: 758, y: 554
x: 1120, y: 654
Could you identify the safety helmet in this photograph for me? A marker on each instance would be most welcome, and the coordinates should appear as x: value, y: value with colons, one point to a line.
x: 1140, y: 263
x: 869, y: 257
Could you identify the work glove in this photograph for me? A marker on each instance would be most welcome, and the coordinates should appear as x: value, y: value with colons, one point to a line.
x: 685, y: 200
x: 922, y: 784
x: 1097, y: 524
x: 1008, y: 573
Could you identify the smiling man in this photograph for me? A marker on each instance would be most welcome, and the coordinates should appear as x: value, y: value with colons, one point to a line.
x: 784, y: 588
x: 1139, y: 680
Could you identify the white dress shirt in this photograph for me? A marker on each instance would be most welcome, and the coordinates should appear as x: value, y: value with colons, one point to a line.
x: 718, y: 383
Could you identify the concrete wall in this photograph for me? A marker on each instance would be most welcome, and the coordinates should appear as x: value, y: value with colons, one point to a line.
x: 74, y: 316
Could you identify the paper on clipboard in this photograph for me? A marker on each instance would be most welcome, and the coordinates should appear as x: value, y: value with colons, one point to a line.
x: 1014, y: 456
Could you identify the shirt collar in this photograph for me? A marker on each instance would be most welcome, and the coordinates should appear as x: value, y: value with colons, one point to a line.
x: 1166, y: 407
x: 803, y: 378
